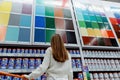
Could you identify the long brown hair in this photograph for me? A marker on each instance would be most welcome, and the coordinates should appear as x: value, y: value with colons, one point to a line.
x: 58, y: 49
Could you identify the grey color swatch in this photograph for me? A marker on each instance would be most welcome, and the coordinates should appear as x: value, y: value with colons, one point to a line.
x: 14, y: 19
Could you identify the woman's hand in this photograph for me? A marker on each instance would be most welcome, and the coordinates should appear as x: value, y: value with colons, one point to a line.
x: 24, y: 78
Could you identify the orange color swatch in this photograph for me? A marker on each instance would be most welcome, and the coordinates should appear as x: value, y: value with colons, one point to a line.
x: 110, y: 33
x: 2, y: 33
x: 104, y: 33
x: 58, y: 12
x: 113, y: 21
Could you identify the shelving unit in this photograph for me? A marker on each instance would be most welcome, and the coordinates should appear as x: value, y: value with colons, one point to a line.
x: 100, y: 53
x: 50, y: 22
x: 102, y: 62
x: 21, y: 53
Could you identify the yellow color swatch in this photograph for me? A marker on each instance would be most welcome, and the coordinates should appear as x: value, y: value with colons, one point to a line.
x: 97, y: 33
x: 4, y: 18
x: 91, y: 32
x: 83, y: 31
x: 2, y: 33
x: 5, y: 6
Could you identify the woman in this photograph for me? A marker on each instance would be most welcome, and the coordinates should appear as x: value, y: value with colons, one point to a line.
x: 56, y: 63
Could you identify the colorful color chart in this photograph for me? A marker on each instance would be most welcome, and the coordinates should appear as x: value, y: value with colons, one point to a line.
x: 93, y: 25
x: 15, y: 21
x: 115, y: 20
x: 53, y: 16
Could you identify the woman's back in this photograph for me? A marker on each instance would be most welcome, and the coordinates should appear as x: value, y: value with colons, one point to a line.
x: 59, y: 69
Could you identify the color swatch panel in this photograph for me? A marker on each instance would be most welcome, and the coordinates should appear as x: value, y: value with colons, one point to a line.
x: 58, y: 12
x: 39, y: 35
x: 24, y: 35
x: 45, y: 35
x: 93, y: 25
x: 12, y: 34
x: 27, y: 8
x: 4, y: 18
x: 98, y: 41
x: 16, y: 34
x: 49, y: 34
x: 5, y: 6
x: 40, y: 10
x: 53, y: 18
x: 15, y: 21
x: 59, y: 23
x: 71, y: 37
x: 2, y: 33
x: 25, y: 21
x: 51, y: 23
x: 83, y: 31
x: 115, y: 20
x: 16, y: 7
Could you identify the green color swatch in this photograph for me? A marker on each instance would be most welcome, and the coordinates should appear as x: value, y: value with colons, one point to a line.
x: 82, y: 24
x: 95, y: 25
x: 88, y: 24
x: 49, y: 11
x: 93, y: 18
x: 86, y: 17
x: 101, y: 25
x: 50, y: 22
x: 99, y: 18
x: 104, y: 19
x: 107, y: 26
x: 49, y: 34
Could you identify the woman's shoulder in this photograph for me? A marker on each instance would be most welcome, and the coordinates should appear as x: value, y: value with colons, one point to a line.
x: 49, y: 48
x: 69, y: 54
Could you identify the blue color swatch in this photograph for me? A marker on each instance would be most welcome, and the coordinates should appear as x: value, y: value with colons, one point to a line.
x: 24, y: 34
x: 39, y: 21
x: 40, y: 10
x: 39, y: 35
x: 25, y: 21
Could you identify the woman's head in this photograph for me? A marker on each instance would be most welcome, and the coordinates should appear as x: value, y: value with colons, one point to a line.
x: 57, y: 41
x: 58, y: 49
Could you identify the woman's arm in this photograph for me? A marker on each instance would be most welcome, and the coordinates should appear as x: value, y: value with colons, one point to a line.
x: 42, y: 68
